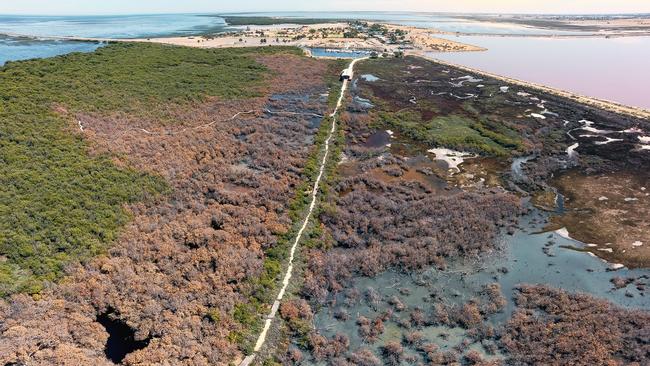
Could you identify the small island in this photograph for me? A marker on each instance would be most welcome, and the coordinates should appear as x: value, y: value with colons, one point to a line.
x: 354, y: 35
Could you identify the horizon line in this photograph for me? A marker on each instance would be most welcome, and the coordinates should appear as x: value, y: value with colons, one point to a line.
x: 216, y: 13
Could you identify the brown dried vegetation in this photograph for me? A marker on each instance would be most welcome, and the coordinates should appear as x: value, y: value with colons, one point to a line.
x: 553, y: 327
x: 379, y: 226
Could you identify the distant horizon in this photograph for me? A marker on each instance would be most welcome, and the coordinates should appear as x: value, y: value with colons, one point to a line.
x: 280, y: 12
x: 156, y: 7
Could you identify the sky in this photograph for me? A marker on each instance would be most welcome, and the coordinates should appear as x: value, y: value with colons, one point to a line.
x: 75, y: 7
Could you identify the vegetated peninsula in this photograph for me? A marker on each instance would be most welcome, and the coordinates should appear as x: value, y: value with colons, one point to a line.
x: 157, y: 185
x: 154, y: 193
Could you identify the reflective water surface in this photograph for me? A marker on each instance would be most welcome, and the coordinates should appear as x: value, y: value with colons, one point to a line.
x: 612, y: 69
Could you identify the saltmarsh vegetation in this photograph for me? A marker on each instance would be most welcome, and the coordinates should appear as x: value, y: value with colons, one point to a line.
x: 456, y: 131
x: 58, y: 203
x: 457, y: 125
x: 265, y: 287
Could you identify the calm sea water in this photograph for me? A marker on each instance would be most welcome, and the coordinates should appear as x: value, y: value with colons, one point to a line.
x: 123, y: 26
x: 137, y: 26
x: 12, y: 49
x: 614, y: 69
x: 131, y: 26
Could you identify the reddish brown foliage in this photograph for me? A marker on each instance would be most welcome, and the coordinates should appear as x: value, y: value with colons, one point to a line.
x: 553, y: 327
x: 294, y: 72
x: 370, y: 330
x: 378, y: 227
x: 296, y: 309
x: 328, y: 349
x: 192, y: 252
x: 364, y: 357
x: 392, y: 352
x: 470, y: 315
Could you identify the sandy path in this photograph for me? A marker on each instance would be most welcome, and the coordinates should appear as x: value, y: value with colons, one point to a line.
x: 314, y: 193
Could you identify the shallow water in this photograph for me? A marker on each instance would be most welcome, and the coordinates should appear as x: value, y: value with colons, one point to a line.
x: 516, y: 168
x: 114, y: 26
x: 378, y: 139
x: 522, y: 260
x: 13, y: 49
x: 564, y: 268
x: 613, y: 69
x: 363, y: 102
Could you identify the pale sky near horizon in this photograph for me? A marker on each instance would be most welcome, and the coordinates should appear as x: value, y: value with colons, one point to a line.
x: 74, y: 7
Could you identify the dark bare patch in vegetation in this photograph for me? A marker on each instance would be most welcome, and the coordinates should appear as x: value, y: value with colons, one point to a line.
x: 121, y: 338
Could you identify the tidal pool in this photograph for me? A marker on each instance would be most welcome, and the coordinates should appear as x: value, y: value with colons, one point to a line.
x: 516, y: 167
x: 363, y: 102
x: 378, y: 139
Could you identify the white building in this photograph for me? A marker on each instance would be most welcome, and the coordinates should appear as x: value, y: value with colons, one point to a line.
x: 346, y: 75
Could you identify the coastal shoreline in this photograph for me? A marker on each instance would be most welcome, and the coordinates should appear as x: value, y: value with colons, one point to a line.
x: 425, y: 38
x: 553, y: 36
x: 307, y: 36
